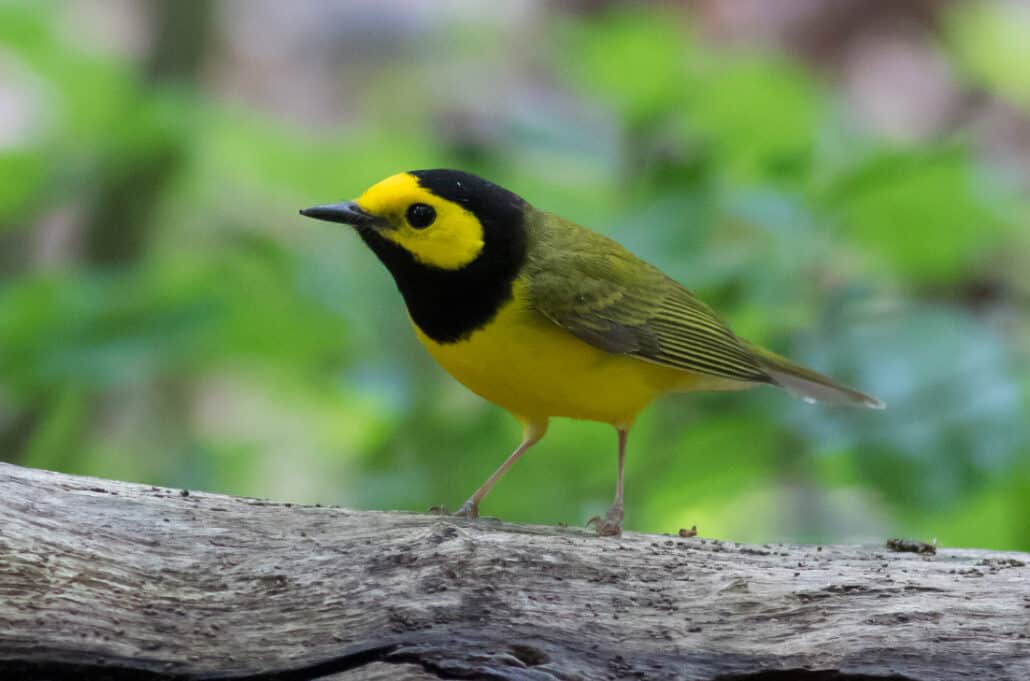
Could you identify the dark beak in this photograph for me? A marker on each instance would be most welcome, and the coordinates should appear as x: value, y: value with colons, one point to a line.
x: 348, y: 213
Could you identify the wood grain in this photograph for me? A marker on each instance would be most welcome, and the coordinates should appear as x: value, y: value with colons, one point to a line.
x: 103, y: 579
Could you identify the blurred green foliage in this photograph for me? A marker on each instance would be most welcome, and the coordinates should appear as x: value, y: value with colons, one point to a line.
x: 199, y: 333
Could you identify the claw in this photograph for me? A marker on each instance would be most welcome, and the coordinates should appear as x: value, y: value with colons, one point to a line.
x: 437, y: 510
x: 609, y: 529
x: 610, y: 525
x: 468, y: 510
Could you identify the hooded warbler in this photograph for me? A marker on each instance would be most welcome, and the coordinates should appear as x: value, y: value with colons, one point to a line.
x: 546, y: 318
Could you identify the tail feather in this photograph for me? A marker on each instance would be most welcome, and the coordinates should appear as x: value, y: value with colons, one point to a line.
x: 809, y: 385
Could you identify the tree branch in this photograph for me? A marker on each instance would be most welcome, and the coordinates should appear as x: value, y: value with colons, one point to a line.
x: 102, y: 579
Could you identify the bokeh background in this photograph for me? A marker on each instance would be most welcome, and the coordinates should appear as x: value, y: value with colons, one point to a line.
x: 845, y: 181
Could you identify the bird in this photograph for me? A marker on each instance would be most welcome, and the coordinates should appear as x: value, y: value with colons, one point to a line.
x: 546, y: 318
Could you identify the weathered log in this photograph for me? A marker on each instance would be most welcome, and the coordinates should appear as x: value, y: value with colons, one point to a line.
x: 102, y: 579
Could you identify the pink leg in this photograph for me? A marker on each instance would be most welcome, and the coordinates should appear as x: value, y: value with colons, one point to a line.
x: 531, y: 435
x: 611, y: 525
x: 623, y: 435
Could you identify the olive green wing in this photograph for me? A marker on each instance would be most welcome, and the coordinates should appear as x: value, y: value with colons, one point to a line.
x: 603, y: 294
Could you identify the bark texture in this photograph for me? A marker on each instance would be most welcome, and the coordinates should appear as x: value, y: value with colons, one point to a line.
x: 102, y: 579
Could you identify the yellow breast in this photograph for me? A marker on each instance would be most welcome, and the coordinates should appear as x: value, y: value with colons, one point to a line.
x: 535, y: 369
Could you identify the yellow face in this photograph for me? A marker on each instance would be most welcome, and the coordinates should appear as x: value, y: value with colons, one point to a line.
x: 437, y: 232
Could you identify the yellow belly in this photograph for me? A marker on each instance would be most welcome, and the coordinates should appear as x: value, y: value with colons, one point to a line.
x: 535, y: 369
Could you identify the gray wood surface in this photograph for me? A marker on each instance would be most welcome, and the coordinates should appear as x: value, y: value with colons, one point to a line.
x: 102, y: 579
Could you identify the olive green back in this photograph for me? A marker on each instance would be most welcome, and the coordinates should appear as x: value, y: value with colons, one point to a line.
x: 603, y: 294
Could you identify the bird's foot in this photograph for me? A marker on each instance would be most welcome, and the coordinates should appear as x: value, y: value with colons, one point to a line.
x: 438, y: 510
x: 469, y: 509
x: 611, y: 524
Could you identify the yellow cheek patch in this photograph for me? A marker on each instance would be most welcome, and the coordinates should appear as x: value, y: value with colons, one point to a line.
x: 451, y: 242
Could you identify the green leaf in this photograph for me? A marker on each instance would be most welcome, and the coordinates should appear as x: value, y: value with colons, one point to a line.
x: 990, y: 43
x: 762, y: 116
x: 925, y: 214
x: 636, y: 61
x: 23, y: 174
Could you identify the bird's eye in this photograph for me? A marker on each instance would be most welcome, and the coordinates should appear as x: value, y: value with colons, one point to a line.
x: 420, y: 215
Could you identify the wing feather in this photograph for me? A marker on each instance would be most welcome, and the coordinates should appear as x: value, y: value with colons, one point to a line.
x: 603, y: 294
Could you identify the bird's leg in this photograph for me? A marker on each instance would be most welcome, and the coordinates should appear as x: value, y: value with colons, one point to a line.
x: 531, y: 435
x: 611, y: 524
